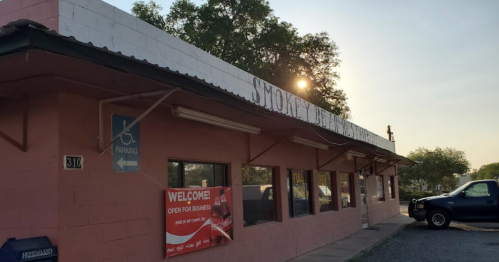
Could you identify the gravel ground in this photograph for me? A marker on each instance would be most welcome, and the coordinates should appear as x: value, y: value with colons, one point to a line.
x: 461, y: 242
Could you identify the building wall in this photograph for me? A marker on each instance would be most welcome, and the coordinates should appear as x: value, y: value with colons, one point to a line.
x: 109, y: 216
x: 45, y: 12
x: 28, y: 181
x: 97, y: 214
x: 382, y: 210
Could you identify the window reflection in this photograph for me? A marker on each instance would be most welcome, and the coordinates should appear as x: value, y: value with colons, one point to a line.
x: 196, y: 174
x: 380, y: 192
x: 346, y: 191
x: 173, y: 175
x: 299, y: 197
x: 391, y: 187
x: 324, y: 189
x: 258, y: 195
x: 192, y: 175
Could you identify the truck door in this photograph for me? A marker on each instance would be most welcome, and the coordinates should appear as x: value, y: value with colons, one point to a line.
x: 476, y: 204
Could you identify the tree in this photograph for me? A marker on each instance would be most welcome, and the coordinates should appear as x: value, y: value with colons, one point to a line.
x: 449, y: 182
x: 149, y: 13
x: 247, y: 34
x: 437, y: 167
x: 490, y: 171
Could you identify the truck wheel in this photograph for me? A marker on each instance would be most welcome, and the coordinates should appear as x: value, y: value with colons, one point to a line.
x: 438, y: 219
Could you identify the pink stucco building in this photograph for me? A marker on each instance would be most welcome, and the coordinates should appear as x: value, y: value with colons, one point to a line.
x: 75, y: 64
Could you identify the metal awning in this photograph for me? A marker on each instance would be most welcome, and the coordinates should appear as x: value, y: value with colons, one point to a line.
x: 25, y: 35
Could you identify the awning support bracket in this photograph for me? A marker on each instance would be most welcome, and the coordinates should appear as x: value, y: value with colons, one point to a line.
x: 272, y: 146
x: 370, y: 163
x: 334, y: 158
x: 406, y: 169
x: 389, y: 165
x: 24, y: 146
x: 102, y: 147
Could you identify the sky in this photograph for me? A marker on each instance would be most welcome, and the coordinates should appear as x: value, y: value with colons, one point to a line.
x: 430, y: 69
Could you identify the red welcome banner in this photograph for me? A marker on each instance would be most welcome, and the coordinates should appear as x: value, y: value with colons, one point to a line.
x: 197, y: 218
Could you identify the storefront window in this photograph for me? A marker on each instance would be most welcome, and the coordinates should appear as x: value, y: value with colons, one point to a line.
x: 391, y: 187
x: 259, y: 205
x: 326, y: 195
x: 346, y: 190
x: 299, y: 193
x: 380, y: 193
x: 192, y: 174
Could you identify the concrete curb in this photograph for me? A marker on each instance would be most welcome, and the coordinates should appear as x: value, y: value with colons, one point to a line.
x: 379, y: 242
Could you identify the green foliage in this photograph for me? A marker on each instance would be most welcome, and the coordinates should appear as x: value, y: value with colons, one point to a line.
x: 449, y: 182
x: 247, y: 34
x: 149, y: 13
x: 437, y: 167
x: 490, y: 171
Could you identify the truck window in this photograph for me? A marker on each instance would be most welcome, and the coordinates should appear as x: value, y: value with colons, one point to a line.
x: 478, y: 190
x: 459, y: 190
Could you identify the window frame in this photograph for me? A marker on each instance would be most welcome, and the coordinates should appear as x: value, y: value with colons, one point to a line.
x: 334, y: 191
x: 181, y: 173
x: 275, y: 195
x: 382, y: 197
x: 310, y: 201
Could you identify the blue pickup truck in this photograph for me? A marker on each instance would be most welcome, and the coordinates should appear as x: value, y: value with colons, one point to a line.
x: 475, y: 201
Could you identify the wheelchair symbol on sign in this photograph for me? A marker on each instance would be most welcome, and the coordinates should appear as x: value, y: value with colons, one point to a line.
x: 127, y: 134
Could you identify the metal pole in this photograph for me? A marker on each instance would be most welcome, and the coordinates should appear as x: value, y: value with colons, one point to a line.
x: 375, y: 159
x: 405, y: 169
x: 270, y: 147
x: 426, y: 174
x: 389, y: 165
x: 331, y: 160
x: 11, y: 141
x: 24, y: 146
x: 434, y: 166
x: 128, y: 97
x: 137, y: 119
x: 116, y: 99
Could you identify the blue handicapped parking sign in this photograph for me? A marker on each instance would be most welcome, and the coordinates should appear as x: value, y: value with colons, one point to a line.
x: 126, y: 149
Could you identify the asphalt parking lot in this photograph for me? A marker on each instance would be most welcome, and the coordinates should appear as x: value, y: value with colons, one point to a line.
x: 461, y: 242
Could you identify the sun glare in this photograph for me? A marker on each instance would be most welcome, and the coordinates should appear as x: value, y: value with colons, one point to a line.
x: 302, y: 84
